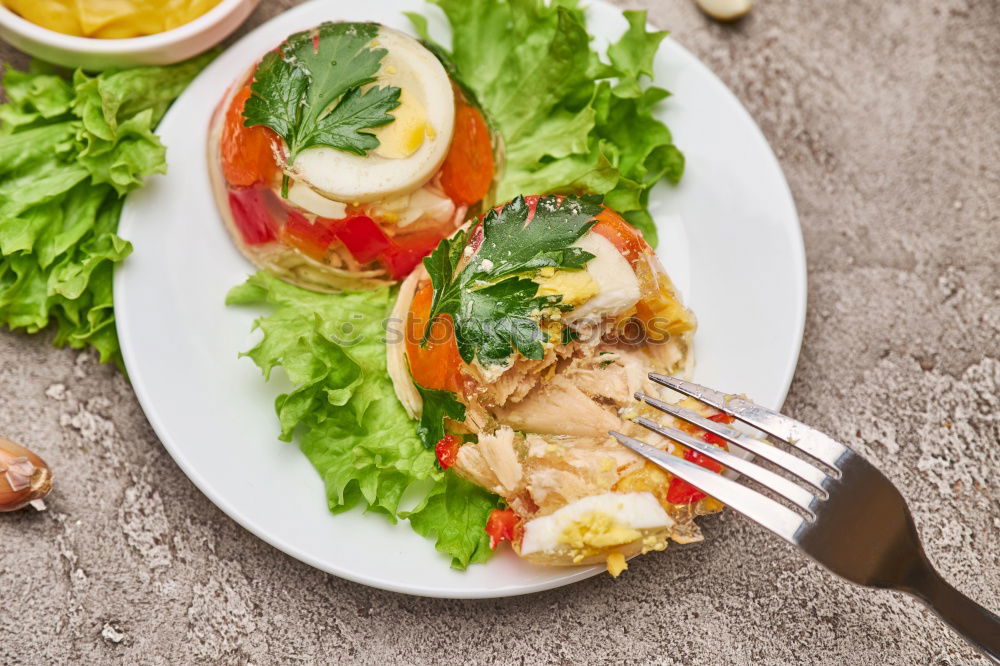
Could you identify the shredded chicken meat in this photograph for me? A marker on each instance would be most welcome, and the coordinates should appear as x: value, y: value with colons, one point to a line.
x: 567, y: 401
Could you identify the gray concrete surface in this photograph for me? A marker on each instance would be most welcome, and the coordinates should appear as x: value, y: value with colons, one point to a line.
x: 885, y: 117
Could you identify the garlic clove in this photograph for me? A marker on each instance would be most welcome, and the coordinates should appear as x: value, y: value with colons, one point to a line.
x: 725, y: 10
x: 24, y: 477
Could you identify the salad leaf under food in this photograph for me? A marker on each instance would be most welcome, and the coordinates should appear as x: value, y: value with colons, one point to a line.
x: 492, y: 299
x: 346, y: 415
x: 571, y: 121
x: 69, y: 152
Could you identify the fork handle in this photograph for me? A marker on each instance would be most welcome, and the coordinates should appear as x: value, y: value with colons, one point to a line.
x: 976, y: 624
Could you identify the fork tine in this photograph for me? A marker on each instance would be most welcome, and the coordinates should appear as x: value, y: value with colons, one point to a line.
x: 800, y: 468
x: 778, y: 518
x: 813, y: 442
x: 794, y: 493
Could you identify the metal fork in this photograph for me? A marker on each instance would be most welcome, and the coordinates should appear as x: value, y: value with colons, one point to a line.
x: 850, y: 517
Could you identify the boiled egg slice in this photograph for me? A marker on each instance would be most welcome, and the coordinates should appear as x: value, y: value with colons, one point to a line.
x: 595, y: 523
x: 412, y: 147
x: 607, y: 287
x: 308, y: 199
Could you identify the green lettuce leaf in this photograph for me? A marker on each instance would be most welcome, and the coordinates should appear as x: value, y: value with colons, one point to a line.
x: 69, y: 152
x: 454, y: 513
x: 572, y: 120
x: 346, y: 416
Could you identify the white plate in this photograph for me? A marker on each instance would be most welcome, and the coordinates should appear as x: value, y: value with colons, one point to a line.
x: 730, y: 239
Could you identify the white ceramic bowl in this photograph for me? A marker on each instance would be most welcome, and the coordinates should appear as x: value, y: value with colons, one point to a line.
x: 163, y: 48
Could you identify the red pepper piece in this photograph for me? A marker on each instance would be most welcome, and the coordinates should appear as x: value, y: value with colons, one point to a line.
x: 251, y: 216
x: 702, y: 461
x: 362, y: 238
x: 682, y: 492
x: 476, y: 239
x: 312, y: 239
x: 715, y: 439
x: 406, y: 252
x: 503, y: 525
x: 446, y: 450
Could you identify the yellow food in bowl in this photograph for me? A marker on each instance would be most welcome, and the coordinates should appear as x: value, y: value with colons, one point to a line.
x: 110, y: 19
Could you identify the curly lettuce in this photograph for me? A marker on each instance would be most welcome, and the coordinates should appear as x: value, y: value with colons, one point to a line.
x: 347, y: 418
x: 572, y: 120
x: 69, y: 152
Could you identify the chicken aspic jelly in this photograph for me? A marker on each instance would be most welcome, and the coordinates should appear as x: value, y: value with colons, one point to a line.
x: 522, y: 344
x: 330, y: 208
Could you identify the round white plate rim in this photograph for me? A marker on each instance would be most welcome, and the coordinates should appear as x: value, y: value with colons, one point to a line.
x: 796, y: 260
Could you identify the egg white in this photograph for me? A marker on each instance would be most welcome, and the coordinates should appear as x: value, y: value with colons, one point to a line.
x: 618, y: 287
x: 637, y: 511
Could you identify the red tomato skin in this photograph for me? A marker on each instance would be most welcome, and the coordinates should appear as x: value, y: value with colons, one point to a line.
x: 405, y: 252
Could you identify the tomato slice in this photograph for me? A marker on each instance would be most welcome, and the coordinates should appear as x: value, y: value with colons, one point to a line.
x: 251, y: 216
x: 312, y: 239
x: 446, y: 450
x: 680, y: 491
x: 467, y: 172
x: 503, y: 525
x: 247, y: 153
x: 364, y: 239
x: 438, y: 365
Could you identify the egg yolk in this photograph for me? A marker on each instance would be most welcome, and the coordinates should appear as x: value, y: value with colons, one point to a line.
x: 597, y: 530
x: 616, y: 564
x: 575, y: 287
x: 406, y: 133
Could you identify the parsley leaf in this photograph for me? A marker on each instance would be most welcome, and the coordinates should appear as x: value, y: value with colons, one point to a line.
x: 438, y: 405
x: 309, y: 91
x: 492, y: 299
